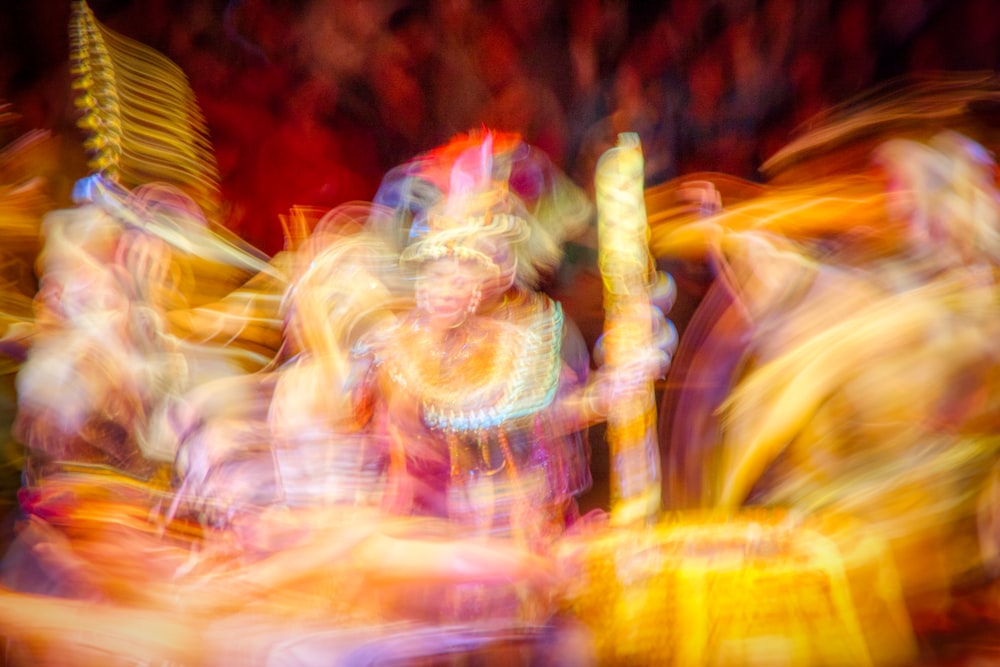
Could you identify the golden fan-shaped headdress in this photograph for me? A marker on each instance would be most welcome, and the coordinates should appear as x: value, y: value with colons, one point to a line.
x: 139, y: 113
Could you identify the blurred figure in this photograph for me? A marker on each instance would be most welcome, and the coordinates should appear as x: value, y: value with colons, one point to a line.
x: 99, y: 340
x: 477, y: 251
x: 867, y: 362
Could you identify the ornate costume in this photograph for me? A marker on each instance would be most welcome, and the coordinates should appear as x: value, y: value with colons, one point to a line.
x: 466, y: 385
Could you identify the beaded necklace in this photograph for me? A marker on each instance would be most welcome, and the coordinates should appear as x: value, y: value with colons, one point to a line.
x: 492, y: 372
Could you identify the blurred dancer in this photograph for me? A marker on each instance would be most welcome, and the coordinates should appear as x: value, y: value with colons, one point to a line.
x: 860, y: 361
x: 470, y: 409
x: 496, y: 378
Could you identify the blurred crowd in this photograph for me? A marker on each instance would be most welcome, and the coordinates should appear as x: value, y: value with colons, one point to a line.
x: 311, y: 101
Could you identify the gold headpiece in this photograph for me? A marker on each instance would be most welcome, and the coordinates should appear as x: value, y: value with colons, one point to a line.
x: 488, y: 192
x: 487, y: 240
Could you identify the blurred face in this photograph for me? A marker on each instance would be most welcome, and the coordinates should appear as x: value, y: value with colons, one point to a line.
x: 448, y: 290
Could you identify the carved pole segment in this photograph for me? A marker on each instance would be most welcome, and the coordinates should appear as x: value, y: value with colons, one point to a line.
x: 627, y: 272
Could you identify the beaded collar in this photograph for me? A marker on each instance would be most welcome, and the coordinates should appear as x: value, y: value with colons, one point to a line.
x: 504, y: 372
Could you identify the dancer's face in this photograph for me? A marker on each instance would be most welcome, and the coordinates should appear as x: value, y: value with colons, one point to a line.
x: 448, y: 290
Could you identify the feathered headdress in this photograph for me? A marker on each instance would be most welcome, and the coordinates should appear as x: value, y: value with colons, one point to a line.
x: 486, y: 195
